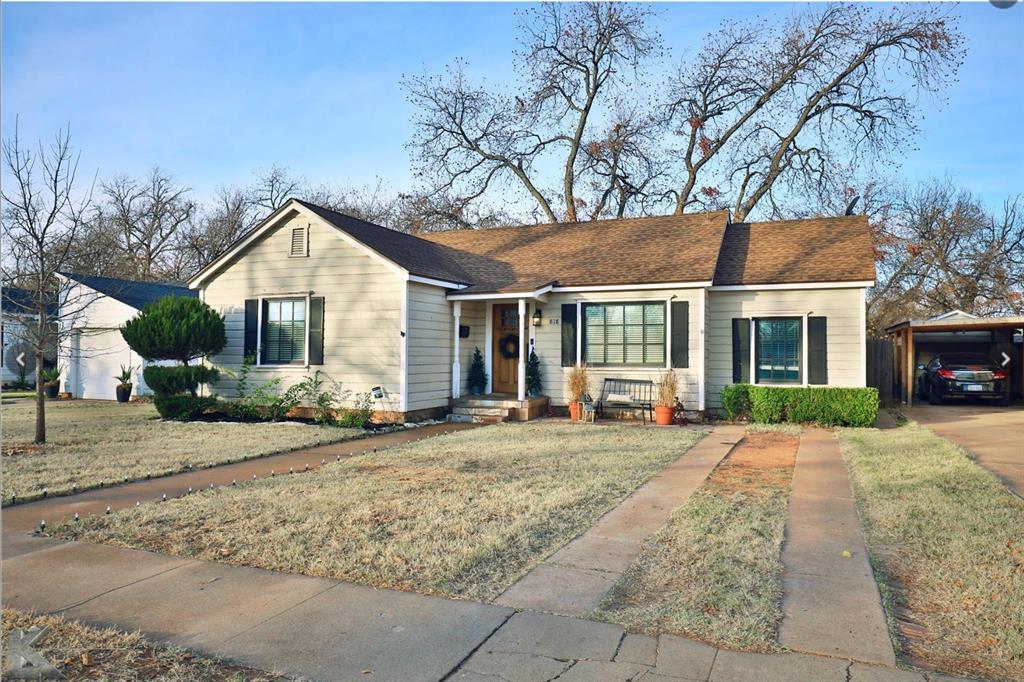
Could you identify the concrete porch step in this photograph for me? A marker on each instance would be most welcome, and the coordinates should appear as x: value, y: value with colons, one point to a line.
x: 474, y: 419
x: 481, y: 411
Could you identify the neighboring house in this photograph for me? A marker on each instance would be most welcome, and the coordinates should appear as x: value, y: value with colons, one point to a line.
x: 311, y: 289
x: 92, y: 350
x: 17, y: 314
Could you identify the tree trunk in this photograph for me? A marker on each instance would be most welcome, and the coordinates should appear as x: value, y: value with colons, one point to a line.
x: 40, y: 401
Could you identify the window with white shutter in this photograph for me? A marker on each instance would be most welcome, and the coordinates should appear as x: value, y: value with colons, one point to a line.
x: 300, y: 241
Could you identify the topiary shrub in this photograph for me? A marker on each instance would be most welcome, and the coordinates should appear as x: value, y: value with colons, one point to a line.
x: 176, y: 328
x: 182, y: 329
x: 184, y: 407
x: 476, y: 381
x: 164, y: 380
x: 736, y: 401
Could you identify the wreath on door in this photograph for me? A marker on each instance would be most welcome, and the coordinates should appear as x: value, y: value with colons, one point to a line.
x: 509, y: 346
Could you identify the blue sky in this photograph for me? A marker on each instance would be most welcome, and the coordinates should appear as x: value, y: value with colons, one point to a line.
x: 211, y: 92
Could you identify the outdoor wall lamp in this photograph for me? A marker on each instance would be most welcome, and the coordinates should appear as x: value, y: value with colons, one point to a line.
x: 536, y: 317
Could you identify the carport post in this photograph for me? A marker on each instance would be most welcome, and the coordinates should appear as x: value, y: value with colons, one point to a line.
x: 910, y: 366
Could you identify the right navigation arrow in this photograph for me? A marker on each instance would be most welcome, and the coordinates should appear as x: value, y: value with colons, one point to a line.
x: 1006, y: 359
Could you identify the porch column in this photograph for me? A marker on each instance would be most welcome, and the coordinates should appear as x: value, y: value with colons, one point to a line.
x: 911, y: 367
x: 521, y: 384
x: 456, y: 365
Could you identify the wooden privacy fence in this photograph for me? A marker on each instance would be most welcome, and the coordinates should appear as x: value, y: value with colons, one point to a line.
x: 880, y: 369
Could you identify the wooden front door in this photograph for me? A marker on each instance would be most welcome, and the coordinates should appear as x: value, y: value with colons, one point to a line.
x: 505, y: 370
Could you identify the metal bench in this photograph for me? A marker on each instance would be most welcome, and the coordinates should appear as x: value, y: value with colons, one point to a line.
x: 627, y: 393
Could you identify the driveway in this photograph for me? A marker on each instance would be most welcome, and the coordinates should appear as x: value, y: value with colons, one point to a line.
x: 995, y: 435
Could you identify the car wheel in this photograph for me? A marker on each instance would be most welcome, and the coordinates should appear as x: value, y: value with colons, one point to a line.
x: 932, y: 397
x: 1004, y: 401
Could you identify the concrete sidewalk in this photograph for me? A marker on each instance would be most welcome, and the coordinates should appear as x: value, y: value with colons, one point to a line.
x: 329, y: 630
x: 573, y: 580
x: 831, y: 605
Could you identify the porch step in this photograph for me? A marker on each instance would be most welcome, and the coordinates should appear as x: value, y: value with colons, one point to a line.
x: 480, y: 411
x: 474, y: 419
x: 504, y: 403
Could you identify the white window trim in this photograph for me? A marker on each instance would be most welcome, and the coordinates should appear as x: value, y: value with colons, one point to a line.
x: 259, y: 332
x: 803, y: 348
x: 625, y: 368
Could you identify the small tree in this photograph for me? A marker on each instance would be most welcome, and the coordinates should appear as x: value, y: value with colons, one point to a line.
x: 534, y: 385
x: 182, y: 329
x: 477, y: 379
x: 176, y: 328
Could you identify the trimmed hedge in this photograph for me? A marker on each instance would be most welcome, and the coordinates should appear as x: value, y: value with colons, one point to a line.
x: 824, y: 405
x: 182, y: 408
x: 178, y: 379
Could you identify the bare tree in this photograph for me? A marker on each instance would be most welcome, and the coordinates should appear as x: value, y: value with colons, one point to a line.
x: 470, y: 139
x: 761, y: 111
x: 272, y: 188
x: 938, y: 249
x: 43, y: 211
x: 147, y: 217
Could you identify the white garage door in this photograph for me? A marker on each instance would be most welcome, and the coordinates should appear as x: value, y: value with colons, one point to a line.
x: 98, y: 361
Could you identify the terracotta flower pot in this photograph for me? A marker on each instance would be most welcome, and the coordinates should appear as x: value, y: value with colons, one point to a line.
x: 575, y: 411
x: 663, y: 415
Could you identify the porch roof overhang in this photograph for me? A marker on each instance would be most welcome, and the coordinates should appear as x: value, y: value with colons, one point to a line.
x: 539, y: 293
x: 959, y: 324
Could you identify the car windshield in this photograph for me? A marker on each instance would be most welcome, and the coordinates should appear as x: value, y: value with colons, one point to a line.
x: 964, y: 359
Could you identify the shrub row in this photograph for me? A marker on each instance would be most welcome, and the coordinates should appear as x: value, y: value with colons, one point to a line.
x: 824, y: 405
x: 178, y: 379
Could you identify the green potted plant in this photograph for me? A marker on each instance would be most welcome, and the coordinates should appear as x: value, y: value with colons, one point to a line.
x: 51, y: 381
x: 577, y: 386
x: 124, y: 384
x: 665, y: 407
x: 477, y: 379
x: 533, y: 379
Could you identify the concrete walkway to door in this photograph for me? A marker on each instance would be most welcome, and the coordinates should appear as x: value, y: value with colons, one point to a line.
x: 993, y: 434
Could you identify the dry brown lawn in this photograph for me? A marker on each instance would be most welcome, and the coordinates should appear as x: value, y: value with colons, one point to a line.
x: 80, y: 652
x: 714, y: 571
x: 946, y: 539
x: 462, y: 515
x: 92, y: 441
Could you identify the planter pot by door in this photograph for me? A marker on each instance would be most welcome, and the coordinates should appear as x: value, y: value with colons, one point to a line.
x: 575, y: 411
x: 124, y: 393
x: 663, y: 415
x: 51, y: 390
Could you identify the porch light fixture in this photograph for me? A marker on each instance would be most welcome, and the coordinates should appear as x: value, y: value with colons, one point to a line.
x: 537, y: 317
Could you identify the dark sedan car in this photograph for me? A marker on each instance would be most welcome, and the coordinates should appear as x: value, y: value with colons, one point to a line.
x: 963, y: 375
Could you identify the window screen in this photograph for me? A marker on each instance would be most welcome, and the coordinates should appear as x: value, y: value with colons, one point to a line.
x: 284, y: 331
x: 624, y: 334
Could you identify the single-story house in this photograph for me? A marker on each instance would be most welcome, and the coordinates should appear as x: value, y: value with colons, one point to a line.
x: 92, y: 350
x: 17, y: 315
x: 719, y: 302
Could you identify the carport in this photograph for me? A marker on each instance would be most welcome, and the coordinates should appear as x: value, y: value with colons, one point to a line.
x: 915, y: 342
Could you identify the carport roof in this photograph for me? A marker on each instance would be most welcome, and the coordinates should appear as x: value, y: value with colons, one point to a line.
x: 959, y: 324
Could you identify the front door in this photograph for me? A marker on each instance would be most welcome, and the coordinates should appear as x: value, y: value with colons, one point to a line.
x: 505, y: 354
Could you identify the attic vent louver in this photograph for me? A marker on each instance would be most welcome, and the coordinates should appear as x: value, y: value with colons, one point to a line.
x: 299, y: 242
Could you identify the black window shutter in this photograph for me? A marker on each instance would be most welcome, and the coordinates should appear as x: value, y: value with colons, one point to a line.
x: 568, y: 334
x: 680, y: 334
x: 817, y: 350
x: 251, y: 321
x: 316, y: 330
x: 740, y: 350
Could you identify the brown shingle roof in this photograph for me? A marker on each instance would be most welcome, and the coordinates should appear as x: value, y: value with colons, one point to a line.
x: 796, y: 251
x: 418, y: 256
x: 688, y: 248
x: 626, y: 251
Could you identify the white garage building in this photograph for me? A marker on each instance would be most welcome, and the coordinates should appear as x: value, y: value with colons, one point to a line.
x: 93, y: 351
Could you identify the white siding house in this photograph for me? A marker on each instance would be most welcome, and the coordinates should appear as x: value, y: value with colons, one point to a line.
x: 312, y: 290
x: 92, y: 350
